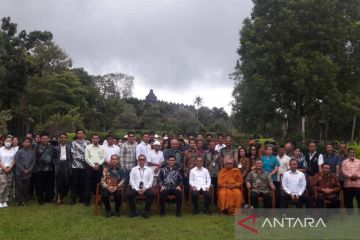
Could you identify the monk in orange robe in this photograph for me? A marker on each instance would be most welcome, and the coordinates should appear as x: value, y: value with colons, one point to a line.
x: 230, y: 182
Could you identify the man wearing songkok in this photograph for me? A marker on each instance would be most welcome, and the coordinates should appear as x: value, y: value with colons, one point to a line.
x: 230, y: 182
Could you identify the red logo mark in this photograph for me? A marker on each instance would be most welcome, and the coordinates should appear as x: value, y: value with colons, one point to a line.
x: 242, y: 221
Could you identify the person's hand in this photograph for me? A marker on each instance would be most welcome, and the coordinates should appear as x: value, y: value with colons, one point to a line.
x: 294, y: 198
x: 109, y: 188
x: 248, y: 185
x: 141, y: 191
x: 178, y: 188
x: 162, y: 189
x: 326, y: 190
x: 96, y: 167
x: 272, y: 187
x: 193, y: 188
x: 206, y: 189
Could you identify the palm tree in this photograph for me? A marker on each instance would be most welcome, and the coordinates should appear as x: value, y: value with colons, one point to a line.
x: 198, y: 102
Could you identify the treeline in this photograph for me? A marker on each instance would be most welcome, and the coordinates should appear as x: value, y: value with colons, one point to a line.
x: 41, y: 91
x: 298, y: 72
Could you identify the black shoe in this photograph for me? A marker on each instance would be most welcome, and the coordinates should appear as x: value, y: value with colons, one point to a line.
x: 108, y: 214
x: 195, y: 212
x: 145, y: 214
x: 207, y: 212
x: 133, y: 214
x: 117, y: 214
x: 178, y: 214
x: 73, y: 202
x: 162, y: 213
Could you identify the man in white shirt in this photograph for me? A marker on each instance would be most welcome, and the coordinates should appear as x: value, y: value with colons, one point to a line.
x: 110, y: 148
x: 156, y: 158
x: 94, y: 157
x: 220, y: 143
x: 284, y: 160
x: 143, y: 147
x: 141, y: 179
x: 200, y: 181
x: 294, y: 185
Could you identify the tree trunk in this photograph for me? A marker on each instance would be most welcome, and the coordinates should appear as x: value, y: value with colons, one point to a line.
x: 353, y: 129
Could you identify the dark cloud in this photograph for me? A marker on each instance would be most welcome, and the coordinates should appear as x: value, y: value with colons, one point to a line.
x: 170, y: 45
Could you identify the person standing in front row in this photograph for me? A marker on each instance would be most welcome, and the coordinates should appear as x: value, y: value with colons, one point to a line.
x: 351, y: 171
x: 78, y: 167
x: 6, y: 175
x: 25, y: 162
x: 95, y: 156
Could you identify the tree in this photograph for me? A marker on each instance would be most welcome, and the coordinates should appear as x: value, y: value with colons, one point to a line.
x: 292, y: 58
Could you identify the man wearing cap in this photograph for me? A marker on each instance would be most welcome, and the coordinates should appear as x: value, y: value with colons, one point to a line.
x: 230, y: 181
x: 156, y: 158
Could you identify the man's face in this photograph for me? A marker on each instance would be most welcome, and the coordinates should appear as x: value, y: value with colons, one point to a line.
x: 171, y: 162
x: 27, y: 143
x: 342, y: 148
x: 258, y: 165
x: 253, y: 151
x: 293, y: 165
x: 288, y: 148
x: 192, y: 144
x: 199, y: 162
x: 212, y: 145
x: 174, y: 144
x: 146, y: 138
x: 329, y: 149
x: 312, y: 147
x: 326, y: 169
x: 228, y: 141
x: 114, y: 161
x: 80, y: 135
x: 199, y: 144
x: 95, y: 140
x: 110, y: 141
x: 352, y: 154
x: 63, y: 139
x: 220, y: 140
x: 282, y: 151
x: 131, y: 138
x: 45, y: 140
x: 37, y: 139
x: 208, y: 138
x: 156, y: 147
x: 141, y: 161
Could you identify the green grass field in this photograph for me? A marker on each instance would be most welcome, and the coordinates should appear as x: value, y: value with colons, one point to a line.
x: 79, y: 222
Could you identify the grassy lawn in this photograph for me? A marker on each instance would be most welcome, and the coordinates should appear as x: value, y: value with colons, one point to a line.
x: 79, y: 222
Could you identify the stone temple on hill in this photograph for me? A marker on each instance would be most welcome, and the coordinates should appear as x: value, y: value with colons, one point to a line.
x: 151, y: 97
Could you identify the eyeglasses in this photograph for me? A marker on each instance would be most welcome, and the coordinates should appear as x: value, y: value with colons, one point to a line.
x: 141, y: 159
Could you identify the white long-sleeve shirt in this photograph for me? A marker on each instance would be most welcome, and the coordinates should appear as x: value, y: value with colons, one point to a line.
x: 156, y: 158
x: 143, y: 148
x: 294, y: 183
x: 111, y: 150
x: 94, y: 154
x: 138, y: 175
x: 200, y: 178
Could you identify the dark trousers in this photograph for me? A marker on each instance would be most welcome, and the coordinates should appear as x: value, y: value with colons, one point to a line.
x: 349, y: 194
x: 32, y: 186
x: 334, y: 202
x: 286, y: 198
x: 131, y: 196
x: 105, y: 197
x: 92, y: 178
x: 214, y: 182
x: 45, y: 186
x: 22, y: 189
x: 277, y: 194
x: 195, y: 198
x: 165, y: 193
x: 255, y: 201
x: 186, y: 188
x: 77, y: 184
x: 62, y: 181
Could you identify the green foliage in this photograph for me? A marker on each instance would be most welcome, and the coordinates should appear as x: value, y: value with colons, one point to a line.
x: 298, y: 59
x: 5, y: 116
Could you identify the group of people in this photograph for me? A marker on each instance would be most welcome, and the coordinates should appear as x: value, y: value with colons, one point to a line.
x: 128, y: 169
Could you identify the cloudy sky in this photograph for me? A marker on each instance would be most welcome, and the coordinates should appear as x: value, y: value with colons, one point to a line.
x: 179, y: 48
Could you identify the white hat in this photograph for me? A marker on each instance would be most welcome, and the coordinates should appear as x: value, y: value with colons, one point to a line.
x: 166, y: 138
x: 157, y: 143
x: 126, y: 136
x: 156, y: 136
